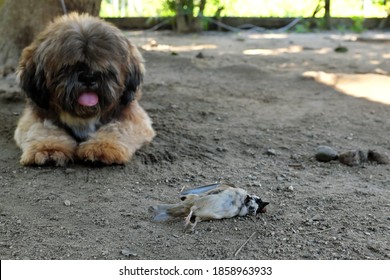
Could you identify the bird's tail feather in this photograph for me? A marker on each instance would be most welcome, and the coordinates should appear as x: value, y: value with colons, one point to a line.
x: 165, y: 212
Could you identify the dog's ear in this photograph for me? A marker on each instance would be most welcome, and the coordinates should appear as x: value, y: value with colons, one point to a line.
x: 32, y: 79
x: 134, y: 76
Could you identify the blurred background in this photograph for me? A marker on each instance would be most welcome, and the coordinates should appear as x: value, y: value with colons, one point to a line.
x: 246, y: 8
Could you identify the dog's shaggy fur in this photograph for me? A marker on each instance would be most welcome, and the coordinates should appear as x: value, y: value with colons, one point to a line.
x: 81, y: 57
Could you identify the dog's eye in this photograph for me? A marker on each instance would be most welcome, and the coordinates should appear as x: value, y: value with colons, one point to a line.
x: 248, y: 199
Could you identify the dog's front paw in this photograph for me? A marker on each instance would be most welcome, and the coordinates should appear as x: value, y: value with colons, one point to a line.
x: 103, y: 152
x: 47, y: 154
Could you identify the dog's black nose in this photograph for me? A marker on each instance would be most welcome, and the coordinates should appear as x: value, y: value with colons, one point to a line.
x: 87, y: 79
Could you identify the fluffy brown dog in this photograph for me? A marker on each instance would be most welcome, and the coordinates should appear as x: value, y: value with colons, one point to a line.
x: 82, y: 78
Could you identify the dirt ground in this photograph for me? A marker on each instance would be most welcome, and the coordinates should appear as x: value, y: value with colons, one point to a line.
x: 244, y: 108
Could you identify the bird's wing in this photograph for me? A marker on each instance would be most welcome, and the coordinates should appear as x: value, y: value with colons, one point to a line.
x: 200, y: 190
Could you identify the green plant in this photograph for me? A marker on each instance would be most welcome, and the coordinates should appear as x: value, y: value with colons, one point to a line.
x: 321, y: 23
x: 188, y: 14
x: 357, y: 26
x: 342, y: 28
x: 303, y: 27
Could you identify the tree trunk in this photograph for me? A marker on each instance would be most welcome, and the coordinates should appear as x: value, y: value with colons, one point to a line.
x: 327, y: 14
x: 21, y: 20
x: 186, y: 21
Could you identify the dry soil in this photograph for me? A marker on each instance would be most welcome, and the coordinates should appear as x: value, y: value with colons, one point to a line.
x: 248, y: 108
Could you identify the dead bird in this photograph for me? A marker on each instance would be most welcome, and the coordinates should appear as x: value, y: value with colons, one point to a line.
x: 211, y: 202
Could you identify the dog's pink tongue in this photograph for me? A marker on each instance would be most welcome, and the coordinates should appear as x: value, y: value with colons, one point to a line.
x: 88, y: 99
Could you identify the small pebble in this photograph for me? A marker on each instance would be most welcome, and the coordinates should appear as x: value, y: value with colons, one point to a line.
x: 317, y: 217
x: 200, y: 55
x: 127, y: 253
x: 153, y: 43
x: 341, y: 49
x: 353, y: 158
x: 290, y: 188
x: 377, y: 157
x: 325, y: 154
x: 270, y: 152
x: 221, y: 149
x: 70, y: 170
x: 67, y: 202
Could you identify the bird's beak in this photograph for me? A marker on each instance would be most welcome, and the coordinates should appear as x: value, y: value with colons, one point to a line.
x: 262, y: 206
